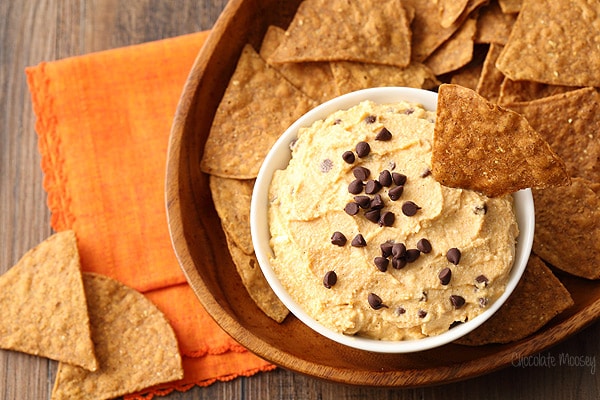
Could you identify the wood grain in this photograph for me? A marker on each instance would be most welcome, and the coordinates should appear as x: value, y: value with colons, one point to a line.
x: 32, y: 31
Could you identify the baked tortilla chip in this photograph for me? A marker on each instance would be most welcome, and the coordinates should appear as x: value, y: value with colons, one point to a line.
x: 44, y: 309
x: 335, y: 30
x: 538, y: 298
x: 570, y: 123
x: 567, y: 228
x: 494, y: 26
x: 232, y: 199
x: 351, y: 76
x: 314, y: 79
x: 491, y: 78
x: 258, y: 106
x: 427, y: 31
x: 468, y: 76
x: 554, y: 42
x: 255, y: 283
x: 516, y: 91
x: 481, y: 146
x: 456, y: 52
x: 450, y: 11
x: 510, y: 6
x: 135, y: 345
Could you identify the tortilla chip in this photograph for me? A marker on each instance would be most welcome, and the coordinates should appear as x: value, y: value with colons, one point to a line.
x: 554, y: 42
x: 567, y: 228
x: 232, y: 199
x: 538, y: 298
x: 427, y: 31
x: 516, y: 91
x: 450, y: 11
x: 491, y: 78
x: 44, y: 310
x: 570, y: 123
x: 135, y: 345
x: 468, y: 76
x: 510, y: 6
x: 494, y: 26
x: 340, y: 30
x: 314, y: 79
x: 483, y: 147
x: 255, y: 283
x: 351, y: 76
x: 257, y: 107
x: 456, y: 52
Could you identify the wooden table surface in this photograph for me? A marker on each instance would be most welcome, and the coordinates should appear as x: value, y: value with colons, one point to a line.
x: 32, y: 31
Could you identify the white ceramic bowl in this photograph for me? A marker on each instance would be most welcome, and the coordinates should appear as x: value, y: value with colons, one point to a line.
x: 279, y: 157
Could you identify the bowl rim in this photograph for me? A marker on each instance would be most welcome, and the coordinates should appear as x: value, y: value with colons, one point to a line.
x: 278, y: 157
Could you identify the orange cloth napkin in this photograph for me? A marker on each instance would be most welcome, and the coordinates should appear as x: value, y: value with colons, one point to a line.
x: 103, y: 122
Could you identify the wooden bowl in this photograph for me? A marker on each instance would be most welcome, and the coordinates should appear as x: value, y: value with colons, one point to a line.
x: 200, y: 246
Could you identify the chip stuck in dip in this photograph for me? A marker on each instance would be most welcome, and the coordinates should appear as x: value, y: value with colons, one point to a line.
x: 369, y: 243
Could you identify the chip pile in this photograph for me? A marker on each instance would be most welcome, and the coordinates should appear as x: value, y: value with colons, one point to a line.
x: 532, y: 64
x: 109, y: 339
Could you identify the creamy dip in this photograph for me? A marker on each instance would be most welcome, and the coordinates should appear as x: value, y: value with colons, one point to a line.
x: 359, y: 187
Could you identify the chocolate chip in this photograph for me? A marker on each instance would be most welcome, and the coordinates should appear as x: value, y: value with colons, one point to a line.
x: 338, y: 239
x: 381, y: 263
x: 409, y: 111
x: 363, y: 149
x: 383, y: 135
x: 372, y: 187
x: 457, y: 301
x: 369, y: 119
x: 455, y: 324
x: 375, y: 301
x: 424, y: 246
x: 386, y: 249
x: 398, y: 250
x: 445, y: 275
x: 349, y: 157
x: 326, y: 165
x: 395, y: 193
x: 363, y: 201
x: 398, y: 178
x: 483, y: 302
x: 361, y: 173
x: 398, y: 262
x: 422, y: 313
x: 426, y: 173
x: 337, y: 121
x: 400, y: 310
x: 480, y: 209
x: 481, y: 282
x: 453, y: 255
x: 412, y: 255
x: 409, y: 208
x: 356, y: 186
x: 359, y: 241
x: 329, y: 279
x: 423, y: 296
x: 351, y: 208
x: 376, y: 202
x: 385, y: 178
x: 373, y: 215
x: 387, y: 219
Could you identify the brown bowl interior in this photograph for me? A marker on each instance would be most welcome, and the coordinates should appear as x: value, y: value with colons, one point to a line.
x: 200, y: 246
